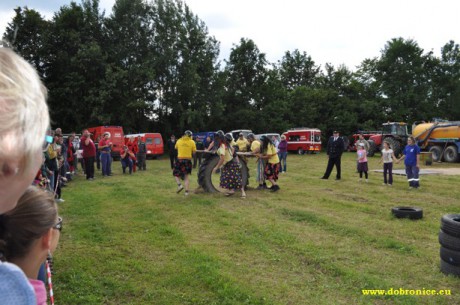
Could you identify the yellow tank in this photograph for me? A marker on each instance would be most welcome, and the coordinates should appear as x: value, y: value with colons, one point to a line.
x: 449, y: 132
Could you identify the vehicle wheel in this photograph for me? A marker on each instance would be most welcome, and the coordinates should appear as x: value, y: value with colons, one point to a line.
x: 450, y: 224
x: 394, y: 145
x: 407, y: 212
x: 451, y: 154
x: 448, y: 241
x: 450, y: 256
x: 372, y: 148
x: 300, y: 151
x: 436, y: 153
x: 210, y: 183
x: 447, y: 268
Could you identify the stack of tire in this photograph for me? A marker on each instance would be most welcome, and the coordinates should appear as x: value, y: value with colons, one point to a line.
x: 449, y: 238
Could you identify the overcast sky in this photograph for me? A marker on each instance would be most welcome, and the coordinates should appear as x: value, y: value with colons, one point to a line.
x: 330, y: 31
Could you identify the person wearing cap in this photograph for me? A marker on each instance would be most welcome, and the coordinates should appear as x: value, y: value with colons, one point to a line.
x: 186, y: 148
x: 335, y: 148
x: 362, y: 162
x: 105, y: 148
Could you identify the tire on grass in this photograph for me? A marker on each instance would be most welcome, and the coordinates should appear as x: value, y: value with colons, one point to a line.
x: 448, y: 241
x: 205, y: 173
x: 407, y: 212
x: 450, y: 256
x: 447, y: 268
x: 450, y: 224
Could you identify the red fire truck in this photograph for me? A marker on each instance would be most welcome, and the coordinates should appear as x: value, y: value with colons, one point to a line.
x: 303, y: 140
x: 153, y: 143
x: 116, y: 136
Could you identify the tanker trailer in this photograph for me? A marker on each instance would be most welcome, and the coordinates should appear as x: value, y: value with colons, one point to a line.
x: 442, y: 139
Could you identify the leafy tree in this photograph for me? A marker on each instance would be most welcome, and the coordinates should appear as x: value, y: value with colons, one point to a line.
x: 404, y: 81
x: 26, y: 33
x: 75, y: 66
x: 245, y: 75
x: 447, y: 82
x: 131, y: 73
x: 297, y: 69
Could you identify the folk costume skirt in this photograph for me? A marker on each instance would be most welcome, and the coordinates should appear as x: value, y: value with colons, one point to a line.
x: 230, y: 177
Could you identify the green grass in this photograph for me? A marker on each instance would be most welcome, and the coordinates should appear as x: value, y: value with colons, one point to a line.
x: 133, y: 240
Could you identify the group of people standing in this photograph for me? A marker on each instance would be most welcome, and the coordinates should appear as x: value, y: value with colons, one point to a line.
x: 264, y: 149
x: 410, y: 154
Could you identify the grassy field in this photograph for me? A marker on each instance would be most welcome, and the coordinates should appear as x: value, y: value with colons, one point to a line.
x: 133, y: 240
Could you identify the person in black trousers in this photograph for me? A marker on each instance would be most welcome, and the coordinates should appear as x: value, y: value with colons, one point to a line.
x: 335, y: 147
x: 172, y: 150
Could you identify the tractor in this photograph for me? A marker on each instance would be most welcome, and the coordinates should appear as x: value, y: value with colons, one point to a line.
x: 395, y: 133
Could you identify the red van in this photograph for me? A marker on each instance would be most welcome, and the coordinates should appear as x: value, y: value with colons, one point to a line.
x: 153, y: 143
x: 302, y: 140
x: 116, y: 136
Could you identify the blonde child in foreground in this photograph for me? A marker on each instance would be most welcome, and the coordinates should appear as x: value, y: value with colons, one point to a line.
x: 387, y: 158
x: 362, y: 162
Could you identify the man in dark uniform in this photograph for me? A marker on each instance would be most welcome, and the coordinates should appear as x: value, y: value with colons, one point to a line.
x: 335, y: 147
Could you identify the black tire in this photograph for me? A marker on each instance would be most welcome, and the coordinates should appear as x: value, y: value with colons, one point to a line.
x: 450, y: 224
x: 205, y: 173
x: 451, y: 154
x: 447, y: 268
x: 436, y: 153
x: 372, y: 148
x: 450, y: 256
x: 407, y: 212
x: 300, y: 151
x: 448, y: 241
x: 394, y: 145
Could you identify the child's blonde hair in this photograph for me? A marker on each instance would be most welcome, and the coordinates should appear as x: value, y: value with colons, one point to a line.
x: 24, y: 116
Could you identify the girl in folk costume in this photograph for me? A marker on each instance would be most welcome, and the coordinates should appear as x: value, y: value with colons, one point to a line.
x: 230, y: 178
x: 271, y: 171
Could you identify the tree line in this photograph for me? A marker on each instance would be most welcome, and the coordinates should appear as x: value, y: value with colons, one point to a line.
x: 153, y: 66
